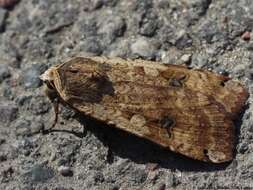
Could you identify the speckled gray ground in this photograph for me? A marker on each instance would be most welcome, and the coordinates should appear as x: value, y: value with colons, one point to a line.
x: 209, y: 34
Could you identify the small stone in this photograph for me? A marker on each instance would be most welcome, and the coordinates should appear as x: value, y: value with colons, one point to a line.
x: 65, y: 171
x: 172, y: 181
x: 162, y: 186
x: 143, y: 48
x: 120, y: 49
x: 243, y: 147
x: 3, y: 15
x: 210, y: 32
x: 148, y: 25
x: 246, y: 36
x: 93, y: 5
x: 163, y: 4
x: 62, y: 188
x: 91, y: 45
x: 239, y: 70
x: 36, y: 127
x: 8, y: 3
x: 199, y: 60
x: 138, y: 176
x: 112, y: 28
x: 186, y: 58
x: 38, y: 173
x: 6, y: 174
x: 4, y: 72
x: 98, y: 177
x: 152, y: 166
x: 8, y: 112
x: 67, y: 113
x: 30, y: 77
x: 2, y: 141
x: 222, y: 71
x: 22, y: 127
x: 39, y: 105
x: 183, y: 40
x: 3, y: 157
x: 22, y: 100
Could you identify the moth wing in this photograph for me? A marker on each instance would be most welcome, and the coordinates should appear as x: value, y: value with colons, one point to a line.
x: 188, y: 111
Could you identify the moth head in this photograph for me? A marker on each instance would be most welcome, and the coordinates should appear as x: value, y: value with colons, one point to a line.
x: 48, y: 78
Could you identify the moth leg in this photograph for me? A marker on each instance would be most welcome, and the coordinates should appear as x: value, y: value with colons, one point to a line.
x: 53, y: 97
x: 56, y: 112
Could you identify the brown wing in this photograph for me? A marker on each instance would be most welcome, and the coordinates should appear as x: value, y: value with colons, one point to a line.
x: 188, y: 111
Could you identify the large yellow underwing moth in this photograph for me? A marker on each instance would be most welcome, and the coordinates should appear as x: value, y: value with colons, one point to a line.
x: 188, y: 111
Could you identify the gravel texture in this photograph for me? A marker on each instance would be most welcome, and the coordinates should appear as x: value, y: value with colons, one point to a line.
x: 81, y: 154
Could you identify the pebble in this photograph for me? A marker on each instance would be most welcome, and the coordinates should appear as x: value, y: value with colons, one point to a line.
x: 36, y: 127
x: 148, y: 25
x: 4, y: 72
x: 143, y: 48
x: 152, y: 166
x: 98, y: 177
x: 65, y: 171
x: 209, y: 31
x: 30, y: 77
x: 23, y: 99
x: 243, y: 147
x: 3, y: 15
x: 199, y: 60
x: 186, y: 58
x: 91, y: 45
x: 8, y: 112
x: 93, y: 5
x: 38, y: 173
x: 182, y: 39
x: 112, y: 28
x: 162, y: 186
x: 22, y: 127
x: 39, y: 105
x: 25, y: 127
x: 2, y: 141
x: 239, y: 70
x: 8, y: 3
x: 120, y: 49
x: 138, y: 176
x: 246, y: 36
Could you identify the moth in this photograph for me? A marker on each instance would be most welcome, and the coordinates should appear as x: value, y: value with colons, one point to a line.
x: 188, y: 111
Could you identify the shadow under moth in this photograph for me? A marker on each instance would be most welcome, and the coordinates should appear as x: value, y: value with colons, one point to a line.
x: 188, y: 111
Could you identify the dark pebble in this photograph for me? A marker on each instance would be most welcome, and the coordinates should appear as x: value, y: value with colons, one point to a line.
x: 139, y: 176
x: 65, y: 171
x: 4, y: 72
x: 143, y: 48
x: 112, y: 27
x: 22, y: 127
x: 3, y: 15
x: 91, y: 45
x: 243, y: 147
x: 148, y: 25
x: 39, y: 173
x: 8, y: 112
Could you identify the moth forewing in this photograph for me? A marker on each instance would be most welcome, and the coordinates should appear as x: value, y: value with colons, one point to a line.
x: 188, y: 111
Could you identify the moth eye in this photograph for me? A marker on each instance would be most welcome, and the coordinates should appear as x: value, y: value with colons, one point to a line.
x: 167, y: 122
